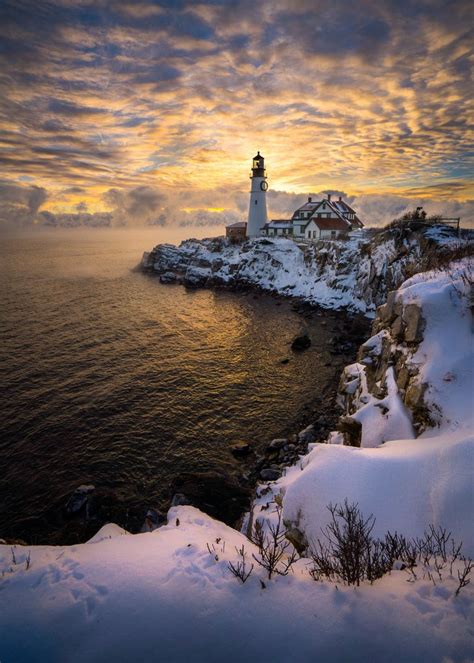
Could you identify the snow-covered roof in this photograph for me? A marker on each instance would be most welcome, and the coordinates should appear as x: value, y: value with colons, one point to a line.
x: 238, y: 224
x: 279, y: 223
x: 307, y: 207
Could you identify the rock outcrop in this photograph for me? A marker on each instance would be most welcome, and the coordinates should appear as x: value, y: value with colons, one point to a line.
x: 385, y: 369
x: 356, y: 274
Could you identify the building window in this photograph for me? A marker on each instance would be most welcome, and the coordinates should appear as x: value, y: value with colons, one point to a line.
x: 256, y: 202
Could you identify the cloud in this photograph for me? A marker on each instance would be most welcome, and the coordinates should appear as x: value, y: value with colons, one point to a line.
x: 24, y: 206
x: 19, y: 204
x: 160, y: 100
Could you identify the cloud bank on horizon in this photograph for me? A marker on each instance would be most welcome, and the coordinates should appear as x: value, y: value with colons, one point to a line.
x: 146, y: 112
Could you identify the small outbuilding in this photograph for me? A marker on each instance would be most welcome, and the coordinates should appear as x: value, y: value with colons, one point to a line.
x: 236, y: 231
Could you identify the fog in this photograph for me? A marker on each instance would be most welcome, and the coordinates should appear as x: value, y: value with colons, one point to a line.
x: 88, y: 253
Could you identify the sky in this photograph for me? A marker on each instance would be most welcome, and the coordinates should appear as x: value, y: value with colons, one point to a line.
x: 132, y: 113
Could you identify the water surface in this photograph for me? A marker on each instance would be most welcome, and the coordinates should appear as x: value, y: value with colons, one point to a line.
x: 113, y: 379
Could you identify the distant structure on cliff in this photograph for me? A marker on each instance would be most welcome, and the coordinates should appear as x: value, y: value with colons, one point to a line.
x: 315, y: 220
x: 236, y: 231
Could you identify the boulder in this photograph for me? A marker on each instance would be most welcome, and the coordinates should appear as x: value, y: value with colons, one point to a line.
x: 179, y: 499
x: 307, y: 435
x: 414, y: 395
x: 241, y: 449
x: 277, y: 444
x: 297, y: 539
x: 168, y: 277
x: 270, y: 474
x: 219, y: 496
x: 79, y: 500
x: 153, y: 520
x: 195, y: 278
x: 397, y: 328
x: 351, y: 430
x: 414, y: 323
x: 301, y: 343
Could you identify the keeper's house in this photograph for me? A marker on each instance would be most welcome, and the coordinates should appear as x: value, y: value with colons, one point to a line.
x: 321, y: 219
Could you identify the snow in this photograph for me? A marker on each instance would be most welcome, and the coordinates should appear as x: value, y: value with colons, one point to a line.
x: 406, y: 483
x: 163, y: 596
x: 445, y: 357
x: 169, y: 595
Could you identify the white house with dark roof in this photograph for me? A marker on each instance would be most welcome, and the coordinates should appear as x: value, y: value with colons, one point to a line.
x: 324, y: 219
x: 319, y: 219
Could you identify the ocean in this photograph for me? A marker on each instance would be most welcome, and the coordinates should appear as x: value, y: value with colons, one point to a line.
x: 113, y: 379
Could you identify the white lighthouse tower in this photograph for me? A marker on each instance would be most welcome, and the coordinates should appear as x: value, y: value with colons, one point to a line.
x: 258, y: 197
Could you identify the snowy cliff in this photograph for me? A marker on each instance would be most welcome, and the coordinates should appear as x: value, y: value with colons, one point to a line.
x: 355, y: 274
x: 404, y: 450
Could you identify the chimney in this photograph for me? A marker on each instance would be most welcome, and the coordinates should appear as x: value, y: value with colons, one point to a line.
x: 340, y: 199
x: 329, y: 197
x: 310, y: 199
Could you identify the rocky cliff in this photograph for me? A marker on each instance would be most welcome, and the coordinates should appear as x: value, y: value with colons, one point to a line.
x: 355, y: 274
x: 403, y: 448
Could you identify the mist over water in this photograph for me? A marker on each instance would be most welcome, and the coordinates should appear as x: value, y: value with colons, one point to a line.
x: 111, y: 378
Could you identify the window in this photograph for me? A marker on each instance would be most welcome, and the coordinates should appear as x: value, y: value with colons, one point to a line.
x: 333, y: 233
x: 256, y: 202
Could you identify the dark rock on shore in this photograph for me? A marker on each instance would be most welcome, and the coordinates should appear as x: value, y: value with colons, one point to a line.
x: 221, y: 497
x: 168, y: 277
x: 301, y: 343
x: 241, y: 449
x: 276, y: 444
x: 153, y: 520
x: 351, y: 429
x: 269, y: 474
x: 79, y: 501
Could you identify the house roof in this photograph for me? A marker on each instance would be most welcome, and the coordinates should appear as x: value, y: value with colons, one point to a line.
x: 239, y: 224
x: 307, y: 207
x: 279, y: 223
x: 332, y: 224
x: 339, y: 207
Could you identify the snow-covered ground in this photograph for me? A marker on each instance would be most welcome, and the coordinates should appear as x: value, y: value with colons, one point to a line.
x: 170, y: 595
x: 163, y: 596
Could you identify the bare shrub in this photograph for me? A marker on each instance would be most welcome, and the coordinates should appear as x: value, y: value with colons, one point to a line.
x: 349, y: 553
x: 277, y: 555
x: 240, y: 569
x: 463, y: 575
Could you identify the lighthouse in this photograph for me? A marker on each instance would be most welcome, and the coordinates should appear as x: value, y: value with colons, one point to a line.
x: 258, y: 197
